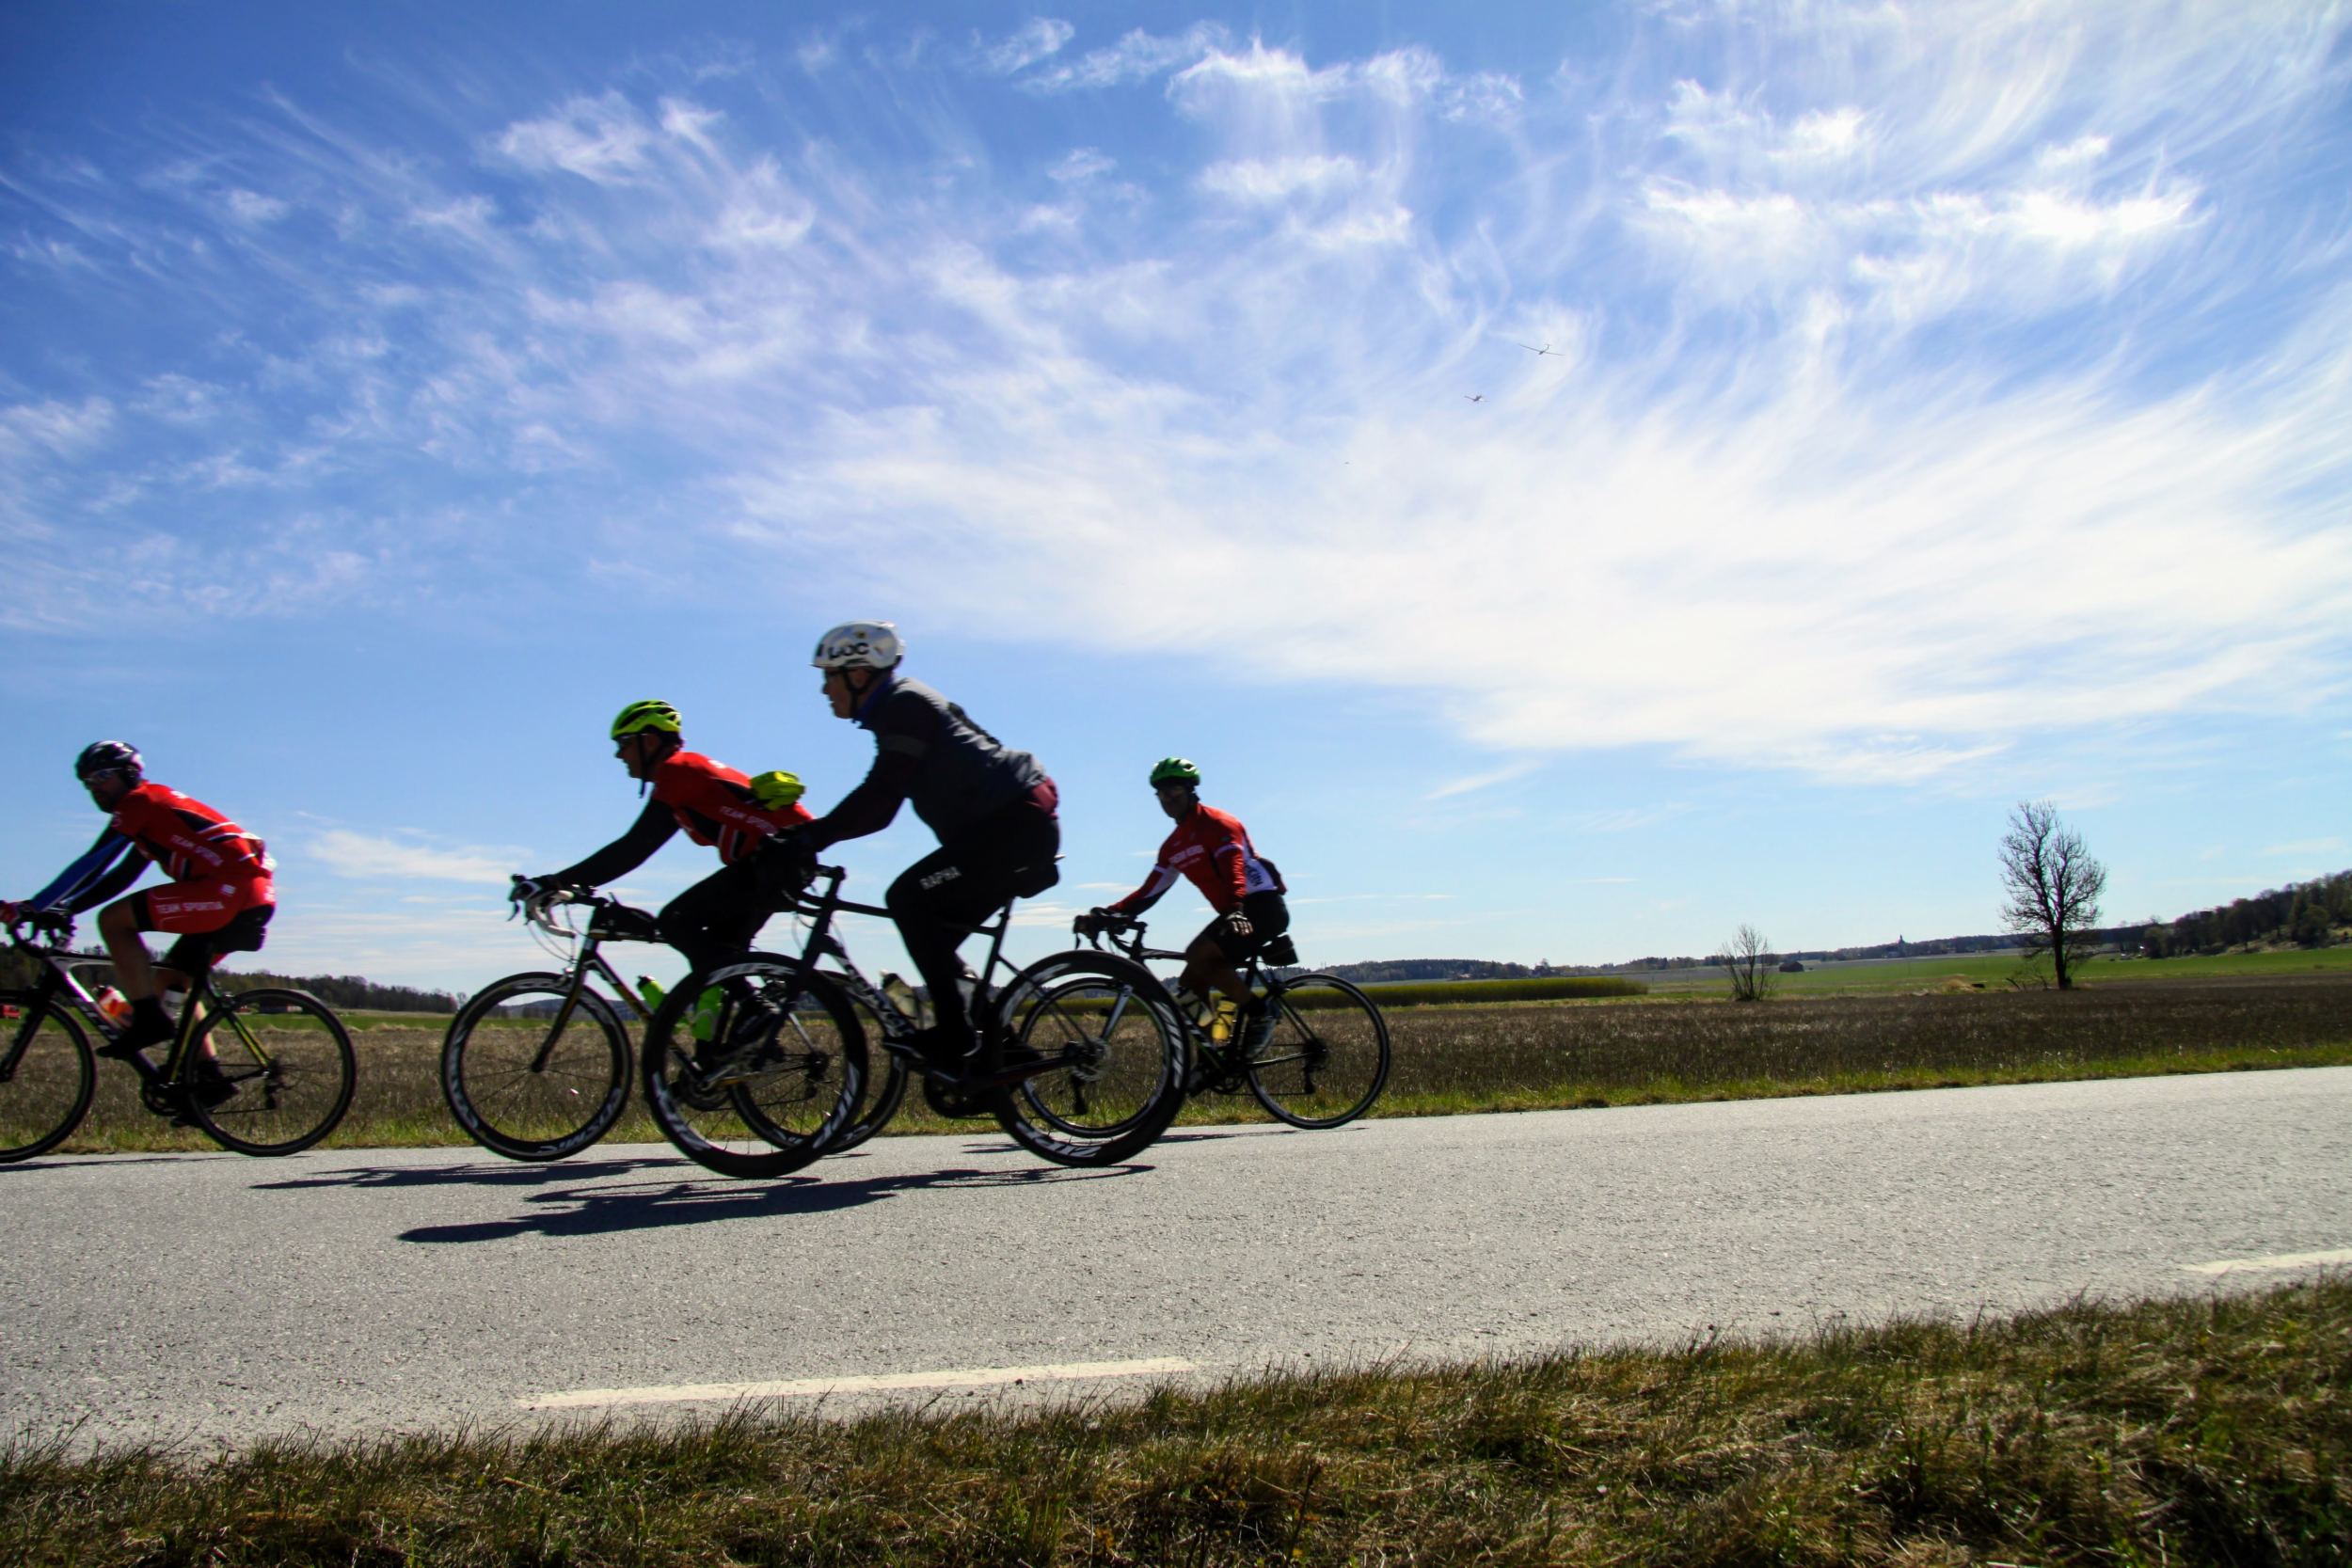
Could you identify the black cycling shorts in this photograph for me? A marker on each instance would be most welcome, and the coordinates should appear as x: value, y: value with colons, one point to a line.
x: 1268, y: 917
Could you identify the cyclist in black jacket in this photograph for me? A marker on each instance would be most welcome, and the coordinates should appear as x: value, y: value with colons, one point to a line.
x: 993, y: 808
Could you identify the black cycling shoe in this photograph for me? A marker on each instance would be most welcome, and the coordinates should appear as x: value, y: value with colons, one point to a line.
x: 136, y: 1036
x: 947, y: 1047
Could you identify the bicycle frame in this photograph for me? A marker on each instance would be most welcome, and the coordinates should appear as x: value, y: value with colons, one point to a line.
x: 59, y: 984
x: 821, y: 941
x: 1129, y: 941
x: 587, y: 959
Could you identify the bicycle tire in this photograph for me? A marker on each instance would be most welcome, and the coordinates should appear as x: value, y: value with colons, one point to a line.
x: 799, y: 1087
x: 885, y: 1089
x: 48, y: 1090
x: 1328, y: 1058
x: 528, y: 1096
x: 1128, y: 1080
x: 290, y: 1059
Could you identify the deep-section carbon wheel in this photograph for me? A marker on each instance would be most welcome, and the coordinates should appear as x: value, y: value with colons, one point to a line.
x: 533, y: 1071
x: 1329, y: 1056
x: 781, y: 1076
x: 1119, y: 1058
x: 289, y: 1058
x: 47, y: 1075
x: 885, y: 1080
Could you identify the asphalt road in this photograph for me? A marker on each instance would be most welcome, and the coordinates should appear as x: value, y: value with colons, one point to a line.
x: 212, y: 1299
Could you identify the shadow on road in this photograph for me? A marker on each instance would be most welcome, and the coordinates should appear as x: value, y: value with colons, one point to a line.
x: 644, y: 1206
x: 499, y: 1173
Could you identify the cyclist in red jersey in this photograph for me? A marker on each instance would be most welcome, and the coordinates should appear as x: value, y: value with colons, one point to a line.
x: 716, y: 919
x: 219, y: 897
x: 1213, y: 848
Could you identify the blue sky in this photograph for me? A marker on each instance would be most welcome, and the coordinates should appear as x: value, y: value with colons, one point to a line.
x: 1576, y: 478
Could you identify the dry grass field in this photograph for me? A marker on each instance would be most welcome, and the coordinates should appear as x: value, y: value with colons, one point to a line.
x: 1557, y: 1055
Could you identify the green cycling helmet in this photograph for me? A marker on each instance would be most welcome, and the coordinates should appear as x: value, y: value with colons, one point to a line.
x: 640, y: 717
x: 1174, y: 771
x: 776, y: 789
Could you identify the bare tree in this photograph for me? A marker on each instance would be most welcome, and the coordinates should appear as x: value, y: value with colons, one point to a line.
x: 1748, y: 961
x: 2052, y: 886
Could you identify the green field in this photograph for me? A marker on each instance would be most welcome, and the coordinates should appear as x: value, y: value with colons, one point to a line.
x: 2002, y: 969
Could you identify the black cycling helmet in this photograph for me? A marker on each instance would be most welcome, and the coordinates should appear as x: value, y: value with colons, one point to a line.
x: 106, y: 756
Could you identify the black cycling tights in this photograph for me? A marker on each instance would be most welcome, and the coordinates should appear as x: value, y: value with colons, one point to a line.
x: 944, y: 897
x: 714, y: 921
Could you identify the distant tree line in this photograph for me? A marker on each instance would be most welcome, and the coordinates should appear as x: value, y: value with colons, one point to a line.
x: 339, y: 992
x: 2304, y: 913
x: 1382, y: 971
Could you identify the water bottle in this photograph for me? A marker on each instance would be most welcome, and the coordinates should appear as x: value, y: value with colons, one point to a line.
x: 650, y: 988
x: 704, y: 1022
x: 115, y: 1006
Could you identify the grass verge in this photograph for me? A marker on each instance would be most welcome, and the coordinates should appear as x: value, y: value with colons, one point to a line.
x: 2207, y: 1431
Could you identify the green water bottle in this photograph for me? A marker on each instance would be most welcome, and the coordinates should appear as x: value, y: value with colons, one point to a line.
x: 650, y: 988
x: 704, y: 1022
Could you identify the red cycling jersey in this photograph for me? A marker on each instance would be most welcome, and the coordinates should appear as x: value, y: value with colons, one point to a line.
x: 190, y: 840
x: 1213, y: 848
x: 714, y: 804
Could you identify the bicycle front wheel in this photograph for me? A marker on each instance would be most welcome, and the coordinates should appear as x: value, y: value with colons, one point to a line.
x: 1329, y: 1056
x: 782, y: 1077
x: 533, y: 1070
x: 289, y: 1058
x: 1118, y: 1057
x: 47, y: 1075
x: 885, y: 1079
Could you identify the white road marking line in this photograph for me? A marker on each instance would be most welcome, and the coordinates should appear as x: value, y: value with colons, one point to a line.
x: 974, y: 1377
x: 2277, y: 1260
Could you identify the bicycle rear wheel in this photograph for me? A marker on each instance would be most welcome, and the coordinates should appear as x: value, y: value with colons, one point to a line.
x: 1121, y: 1059
x: 289, y: 1058
x: 542, y: 1085
x: 1328, y: 1057
x: 783, y: 1077
x: 47, y: 1075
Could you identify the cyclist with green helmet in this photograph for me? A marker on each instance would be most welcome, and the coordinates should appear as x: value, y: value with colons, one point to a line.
x: 1213, y: 848
x: 716, y: 919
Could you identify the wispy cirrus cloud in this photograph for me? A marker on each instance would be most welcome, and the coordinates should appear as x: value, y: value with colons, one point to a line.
x: 417, y: 856
x: 1913, y: 398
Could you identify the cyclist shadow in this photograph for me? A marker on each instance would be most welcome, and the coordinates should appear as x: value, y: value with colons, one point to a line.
x: 648, y: 1206
x: 502, y: 1174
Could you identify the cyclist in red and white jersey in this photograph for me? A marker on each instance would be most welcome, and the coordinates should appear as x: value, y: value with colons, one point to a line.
x: 1213, y: 848
x: 716, y: 919
x: 219, y: 893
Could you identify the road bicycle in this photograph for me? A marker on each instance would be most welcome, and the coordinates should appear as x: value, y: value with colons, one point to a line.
x: 283, y: 1052
x: 1081, y: 1060
x: 1321, y: 1062
x: 537, y: 1066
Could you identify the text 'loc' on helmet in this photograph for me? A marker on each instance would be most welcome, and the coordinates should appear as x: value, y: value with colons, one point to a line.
x: 860, y: 645
x: 103, y: 756
x: 1174, y: 771
x: 640, y: 717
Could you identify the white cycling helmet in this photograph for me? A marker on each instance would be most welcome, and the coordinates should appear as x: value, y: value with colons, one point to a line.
x: 860, y: 645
